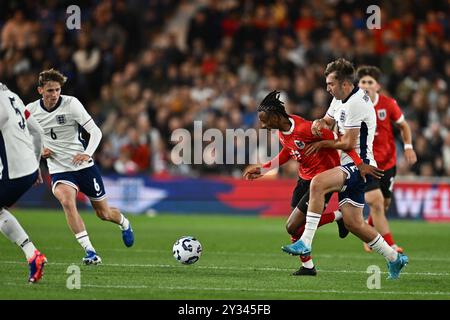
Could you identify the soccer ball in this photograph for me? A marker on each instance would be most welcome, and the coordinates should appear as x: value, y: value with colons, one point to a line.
x: 187, y: 250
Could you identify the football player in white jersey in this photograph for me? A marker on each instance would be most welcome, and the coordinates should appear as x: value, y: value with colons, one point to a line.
x: 70, y: 163
x: 20, y: 153
x: 353, y: 112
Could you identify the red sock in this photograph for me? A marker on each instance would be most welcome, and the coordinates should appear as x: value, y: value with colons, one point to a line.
x: 370, y: 221
x: 389, y: 239
x: 298, y: 233
x: 305, y: 259
x: 326, y: 218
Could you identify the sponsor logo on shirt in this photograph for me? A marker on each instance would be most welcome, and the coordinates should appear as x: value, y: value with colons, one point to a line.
x: 299, y: 144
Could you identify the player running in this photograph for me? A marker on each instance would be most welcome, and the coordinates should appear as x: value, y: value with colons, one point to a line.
x: 354, y: 114
x: 379, y: 192
x: 19, y: 170
x: 295, y: 134
x: 70, y: 163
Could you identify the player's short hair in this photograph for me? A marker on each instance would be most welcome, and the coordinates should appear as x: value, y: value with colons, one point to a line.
x: 272, y: 104
x: 370, y: 71
x: 343, y: 69
x: 51, y: 75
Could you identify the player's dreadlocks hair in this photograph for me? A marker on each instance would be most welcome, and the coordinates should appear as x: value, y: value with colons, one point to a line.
x: 272, y: 103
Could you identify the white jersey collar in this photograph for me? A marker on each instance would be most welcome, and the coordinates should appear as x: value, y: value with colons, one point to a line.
x: 291, y: 129
x: 377, y: 97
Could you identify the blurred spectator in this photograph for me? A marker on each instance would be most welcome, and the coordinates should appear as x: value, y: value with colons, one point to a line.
x: 138, y: 150
x: 141, y: 86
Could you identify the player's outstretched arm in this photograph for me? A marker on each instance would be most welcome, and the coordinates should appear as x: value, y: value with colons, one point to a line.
x: 253, y: 172
x: 347, y: 143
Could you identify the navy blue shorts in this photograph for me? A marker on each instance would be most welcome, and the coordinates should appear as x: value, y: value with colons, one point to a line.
x: 88, y: 180
x: 354, y: 187
x: 12, y: 190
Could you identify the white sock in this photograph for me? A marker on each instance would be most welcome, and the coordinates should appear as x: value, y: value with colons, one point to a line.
x: 12, y: 230
x: 83, y: 240
x: 308, y: 264
x: 28, y: 248
x: 337, y: 215
x: 312, y: 221
x: 124, y: 223
x: 380, y: 245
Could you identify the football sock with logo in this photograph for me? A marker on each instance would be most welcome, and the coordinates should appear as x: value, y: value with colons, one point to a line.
x: 312, y: 222
x: 380, y: 245
x: 12, y: 230
x: 83, y: 240
x: 124, y: 223
x: 324, y: 219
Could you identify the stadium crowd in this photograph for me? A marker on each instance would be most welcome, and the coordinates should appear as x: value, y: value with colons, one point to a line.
x: 139, y: 90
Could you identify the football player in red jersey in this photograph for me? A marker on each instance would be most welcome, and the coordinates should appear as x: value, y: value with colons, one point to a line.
x: 379, y: 192
x: 295, y: 135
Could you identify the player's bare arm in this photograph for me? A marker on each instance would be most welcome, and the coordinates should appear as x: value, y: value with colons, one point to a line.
x: 323, y: 123
x: 405, y: 131
x: 347, y: 143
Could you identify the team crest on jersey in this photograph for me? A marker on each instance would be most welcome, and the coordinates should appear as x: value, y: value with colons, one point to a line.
x: 299, y: 144
x: 342, y: 116
x: 382, y: 114
x: 61, y: 119
x: 366, y: 96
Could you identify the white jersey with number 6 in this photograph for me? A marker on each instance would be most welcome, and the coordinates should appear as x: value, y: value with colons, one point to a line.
x: 17, y: 157
x: 62, y: 128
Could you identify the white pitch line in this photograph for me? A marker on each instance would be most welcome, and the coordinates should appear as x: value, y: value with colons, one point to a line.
x: 422, y: 293
x: 121, y: 265
x: 362, y: 256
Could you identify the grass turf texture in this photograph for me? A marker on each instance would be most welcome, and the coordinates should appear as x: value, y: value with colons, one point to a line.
x: 242, y: 259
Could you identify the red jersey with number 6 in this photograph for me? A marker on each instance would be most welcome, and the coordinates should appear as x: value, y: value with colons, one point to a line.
x: 294, y: 143
x: 384, y: 150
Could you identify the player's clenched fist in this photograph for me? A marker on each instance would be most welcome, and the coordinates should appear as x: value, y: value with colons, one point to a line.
x: 317, y: 126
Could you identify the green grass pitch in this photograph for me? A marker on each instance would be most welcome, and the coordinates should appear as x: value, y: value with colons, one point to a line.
x: 242, y: 259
